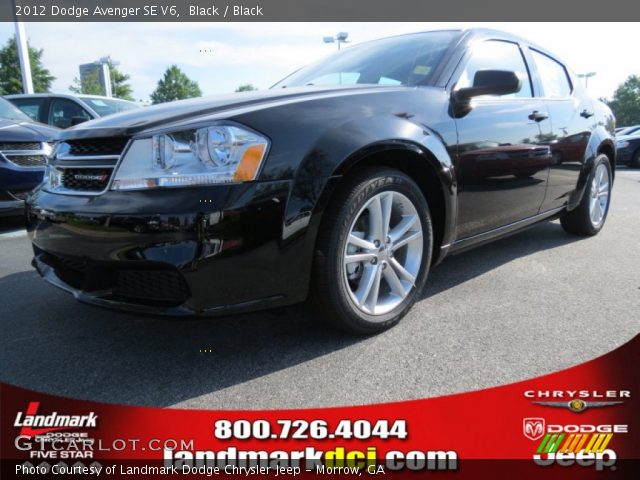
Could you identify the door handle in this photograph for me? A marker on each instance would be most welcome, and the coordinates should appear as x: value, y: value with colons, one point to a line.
x: 586, y: 113
x: 538, y: 116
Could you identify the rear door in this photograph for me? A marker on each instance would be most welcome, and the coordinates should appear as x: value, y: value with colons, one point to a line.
x: 572, y: 120
x: 502, y: 162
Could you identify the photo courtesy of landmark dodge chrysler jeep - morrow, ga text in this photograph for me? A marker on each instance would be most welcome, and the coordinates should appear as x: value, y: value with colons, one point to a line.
x: 342, y: 184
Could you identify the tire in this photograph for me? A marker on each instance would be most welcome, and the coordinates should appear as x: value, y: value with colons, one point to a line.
x: 585, y: 220
x: 339, y: 290
x: 635, y: 160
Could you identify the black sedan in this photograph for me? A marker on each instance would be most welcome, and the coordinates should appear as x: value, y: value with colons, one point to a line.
x: 628, y: 149
x: 344, y: 183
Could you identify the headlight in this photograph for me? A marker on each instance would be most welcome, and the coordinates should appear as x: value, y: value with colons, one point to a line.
x: 202, y: 156
x: 622, y: 144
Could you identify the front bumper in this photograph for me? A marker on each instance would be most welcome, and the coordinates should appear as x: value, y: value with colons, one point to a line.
x: 10, y: 206
x: 623, y: 155
x: 15, y: 183
x: 207, y: 251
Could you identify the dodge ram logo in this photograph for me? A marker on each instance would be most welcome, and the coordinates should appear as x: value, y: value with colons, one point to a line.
x: 533, y: 428
x: 91, y: 178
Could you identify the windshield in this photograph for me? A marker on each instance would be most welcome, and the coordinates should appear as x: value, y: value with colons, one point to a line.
x: 9, y: 110
x: 404, y: 60
x: 107, y: 106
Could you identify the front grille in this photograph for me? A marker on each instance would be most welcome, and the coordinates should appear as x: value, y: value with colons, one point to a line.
x: 19, y: 146
x: 97, y: 146
x: 73, y: 263
x: 85, y: 166
x: 68, y: 270
x: 158, y: 285
x: 162, y: 285
x: 27, y: 160
x: 86, y: 179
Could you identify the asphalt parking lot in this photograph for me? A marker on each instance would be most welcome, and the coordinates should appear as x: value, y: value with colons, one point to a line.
x: 527, y: 305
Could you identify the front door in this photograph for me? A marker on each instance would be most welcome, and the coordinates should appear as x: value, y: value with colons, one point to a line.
x: 503, y: 157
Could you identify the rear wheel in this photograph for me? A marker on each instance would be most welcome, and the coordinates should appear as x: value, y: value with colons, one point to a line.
x: 373, y: 252
x: 589, y: 217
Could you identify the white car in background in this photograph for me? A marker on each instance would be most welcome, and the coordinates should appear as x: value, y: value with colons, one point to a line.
x: 65, y: 110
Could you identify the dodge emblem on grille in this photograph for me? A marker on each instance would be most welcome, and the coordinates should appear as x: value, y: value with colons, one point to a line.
x: 92, y: 178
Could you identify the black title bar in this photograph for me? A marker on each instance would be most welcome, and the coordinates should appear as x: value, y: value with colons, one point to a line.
x: 316, y: 10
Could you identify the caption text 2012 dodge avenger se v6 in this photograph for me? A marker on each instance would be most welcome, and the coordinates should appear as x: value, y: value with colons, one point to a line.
x: 343, y: 183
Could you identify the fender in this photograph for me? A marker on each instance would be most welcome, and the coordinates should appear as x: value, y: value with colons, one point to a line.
x: 600, y: 137
x: 340, y: 148
x: 343, y: 147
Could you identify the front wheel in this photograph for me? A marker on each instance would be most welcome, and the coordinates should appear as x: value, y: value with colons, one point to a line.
x: 589, y: 216
x: 373, y: 252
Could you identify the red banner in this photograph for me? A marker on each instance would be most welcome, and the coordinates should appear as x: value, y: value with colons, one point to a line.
x: 577, y: 423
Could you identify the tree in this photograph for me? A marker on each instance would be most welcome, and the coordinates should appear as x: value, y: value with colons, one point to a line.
x: 626, y: 102
x: 119, y: 87
x: 10, y: 76
x: 175, y: 85
x: 247, y: 87
x: 90, y: 84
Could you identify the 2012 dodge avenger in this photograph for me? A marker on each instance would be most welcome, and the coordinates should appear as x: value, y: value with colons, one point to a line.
x: 342, y: 184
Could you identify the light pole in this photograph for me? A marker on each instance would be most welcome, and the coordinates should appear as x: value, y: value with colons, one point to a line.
x: 23, y: 57
x: 106, y: 63
x: 586, y: 77
x: 340, y: 38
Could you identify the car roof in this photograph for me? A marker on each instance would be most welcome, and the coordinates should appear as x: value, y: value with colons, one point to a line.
x: 61, y: 95
x: 483, y: 33
x: 488, y: 33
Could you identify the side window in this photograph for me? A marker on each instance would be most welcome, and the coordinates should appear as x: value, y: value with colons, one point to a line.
x: 30, y: 106
x: 63, y: 111
x: 553, y: 76
x: 497, y: 55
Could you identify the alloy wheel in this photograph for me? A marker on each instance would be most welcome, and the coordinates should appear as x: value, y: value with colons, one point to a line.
x: 599, y: 199
x: 383, y: 253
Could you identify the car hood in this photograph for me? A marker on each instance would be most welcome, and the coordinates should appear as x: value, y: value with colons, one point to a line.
x: 18, y: 131
x: 215, y: 108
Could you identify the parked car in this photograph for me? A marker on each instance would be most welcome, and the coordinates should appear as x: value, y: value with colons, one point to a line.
x: 24, y: 146
x: 345, y: 183
x: 65, y: 110
x: 628, y: 149
x: 628, y: 130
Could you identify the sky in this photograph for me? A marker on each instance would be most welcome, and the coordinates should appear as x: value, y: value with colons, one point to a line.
x: 221, y: 56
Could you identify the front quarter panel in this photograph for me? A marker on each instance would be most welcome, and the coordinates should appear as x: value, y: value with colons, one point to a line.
x: 314, y: 143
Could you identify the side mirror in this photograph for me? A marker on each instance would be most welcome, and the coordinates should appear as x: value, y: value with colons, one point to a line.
x: 77, y: 120
x: 490, y: 82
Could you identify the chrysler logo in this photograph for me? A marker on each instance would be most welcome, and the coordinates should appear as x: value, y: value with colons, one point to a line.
x: 577, y: 405
x: 533, y: 428
x: 92, y: 178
